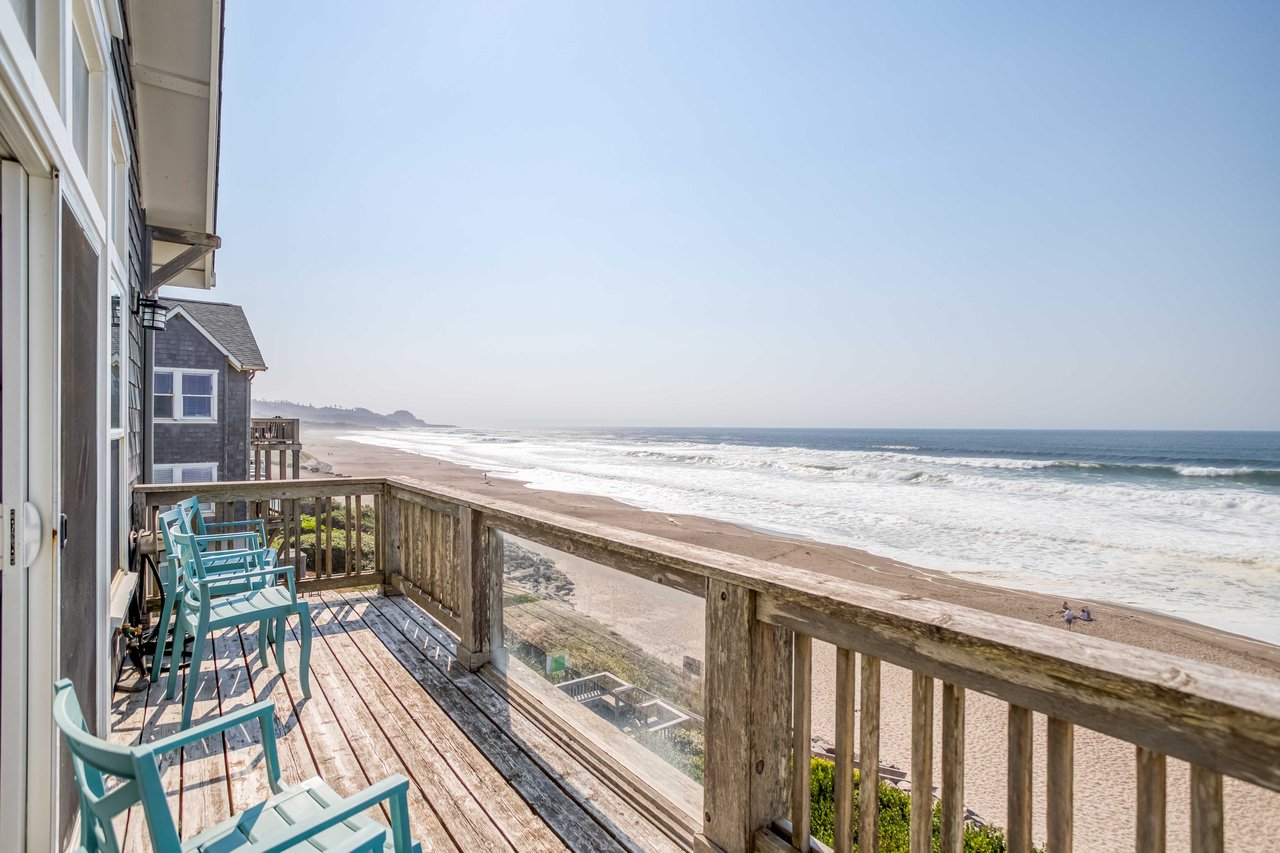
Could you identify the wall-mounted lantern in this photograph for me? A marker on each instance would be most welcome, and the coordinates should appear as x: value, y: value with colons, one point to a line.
x: 152, y: 314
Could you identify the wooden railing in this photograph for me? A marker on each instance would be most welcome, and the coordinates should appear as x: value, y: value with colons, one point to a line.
x: 329, y: 529
x: 443, y: 548
x: 274, y: 431
x: 275, y: 448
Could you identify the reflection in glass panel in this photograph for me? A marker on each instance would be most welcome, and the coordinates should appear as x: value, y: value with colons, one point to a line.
x: 116, y: 331
x: 163, y: 398
x: 624, y: 648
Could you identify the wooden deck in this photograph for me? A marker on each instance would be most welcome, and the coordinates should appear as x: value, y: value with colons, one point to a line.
x: 387, y: 697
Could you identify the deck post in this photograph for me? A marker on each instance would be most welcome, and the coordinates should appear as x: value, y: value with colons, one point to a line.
x: 388, y: 543
x: 475, y: 588
x: 748, y: 723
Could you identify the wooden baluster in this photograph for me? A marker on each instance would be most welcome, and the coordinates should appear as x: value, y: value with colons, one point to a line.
x: 1150, y: 835
x: 379, y: 536
x: 846, y: 665
x: 921, y: 763
x: 1206, y: 811
x: 869, y: 743
x: 358, y: 566
x: 328, y: 537
x: 347, y: 566
x: 1060, y: 800
x: 1020, y: 754
x: 268, y: 471
x: 952, y: 768
x: 283, y: 471
x: 801, y: 741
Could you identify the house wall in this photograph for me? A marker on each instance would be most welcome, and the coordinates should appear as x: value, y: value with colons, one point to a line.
x: 226, y: 442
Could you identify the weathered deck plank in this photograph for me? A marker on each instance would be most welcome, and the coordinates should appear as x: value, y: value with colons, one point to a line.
x: 537, y: 761
x: 387, y: 697
x: 423, y: 720
x: 377, y: 721
x: 334, y: 713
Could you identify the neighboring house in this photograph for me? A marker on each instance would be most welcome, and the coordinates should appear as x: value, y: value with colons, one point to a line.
x: 109, y: 118
x: 204, y: 365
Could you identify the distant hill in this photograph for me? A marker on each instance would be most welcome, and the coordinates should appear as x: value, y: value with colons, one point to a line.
x: 338, y: 416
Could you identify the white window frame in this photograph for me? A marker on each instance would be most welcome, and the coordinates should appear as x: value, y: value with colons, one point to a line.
x: 178, y: 417
x: 176, y: 471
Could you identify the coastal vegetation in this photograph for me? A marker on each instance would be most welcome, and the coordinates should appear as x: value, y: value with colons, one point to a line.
x: 894, y: 816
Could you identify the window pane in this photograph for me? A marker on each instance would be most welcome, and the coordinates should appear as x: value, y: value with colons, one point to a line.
x: 164, y: 407
x: 197, y: 407
x: 197, y: 383
x: 80, y: 102
x: 164, y: 382
x: 197, y: 474
x: 164, y: 474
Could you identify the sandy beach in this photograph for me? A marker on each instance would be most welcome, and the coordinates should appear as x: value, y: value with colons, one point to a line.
x: 1104, y: 794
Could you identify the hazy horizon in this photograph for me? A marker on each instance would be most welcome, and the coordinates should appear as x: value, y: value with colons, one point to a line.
x: 751, y: 214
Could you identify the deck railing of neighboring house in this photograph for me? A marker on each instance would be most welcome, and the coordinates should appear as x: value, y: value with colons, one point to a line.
x: 443, y: 549
x: 275, y: 448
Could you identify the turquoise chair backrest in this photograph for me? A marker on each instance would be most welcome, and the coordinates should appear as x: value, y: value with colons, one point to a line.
x: 96, y: 762
x: 168, y: 521
x: 193, y: 515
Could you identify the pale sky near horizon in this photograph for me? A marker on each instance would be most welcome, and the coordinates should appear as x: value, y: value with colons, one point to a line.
x: 747, y: 214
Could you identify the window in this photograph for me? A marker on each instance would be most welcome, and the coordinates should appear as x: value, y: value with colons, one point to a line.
x: 190, y: 472
x: 80, y: 102
x: 186, y: 395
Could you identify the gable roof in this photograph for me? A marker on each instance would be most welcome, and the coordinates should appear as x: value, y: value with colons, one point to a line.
x: 225, y: 325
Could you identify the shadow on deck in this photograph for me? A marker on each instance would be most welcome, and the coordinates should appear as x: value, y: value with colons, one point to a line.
x: 387, y: 697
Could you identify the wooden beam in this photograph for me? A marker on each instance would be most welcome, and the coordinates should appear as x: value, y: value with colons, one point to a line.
x: 169, y: 271
x: 185, y: 238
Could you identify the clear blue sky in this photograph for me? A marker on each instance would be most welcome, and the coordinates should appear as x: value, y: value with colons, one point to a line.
x: 731, y: 213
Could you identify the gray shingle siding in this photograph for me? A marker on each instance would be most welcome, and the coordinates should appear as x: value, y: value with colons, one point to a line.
x: 180, y: 346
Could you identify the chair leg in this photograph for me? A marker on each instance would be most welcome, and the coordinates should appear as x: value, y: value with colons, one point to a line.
x: 162, y: 633
x: 193, y: 674
x: 304, y: 663
x: 264, y: 638
x: 280, y: 627
x: 175, y: 655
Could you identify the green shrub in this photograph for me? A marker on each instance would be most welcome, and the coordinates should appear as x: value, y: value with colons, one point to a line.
x: 894, y: 822
x: 315, y: 560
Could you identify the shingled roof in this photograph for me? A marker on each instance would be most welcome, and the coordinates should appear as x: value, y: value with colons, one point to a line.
x: 225, y: 325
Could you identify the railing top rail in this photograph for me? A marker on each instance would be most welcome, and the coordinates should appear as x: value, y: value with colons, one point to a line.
x: 238, y: 490
x: 1218, y: 717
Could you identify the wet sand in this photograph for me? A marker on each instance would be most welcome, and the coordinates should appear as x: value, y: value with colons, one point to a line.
x: 1104, y: 787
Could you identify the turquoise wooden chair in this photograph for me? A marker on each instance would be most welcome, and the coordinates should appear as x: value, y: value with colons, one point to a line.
x: 216, y: 561
x: 309, y: 816
x: 202, y: 609
x: 252, y: 531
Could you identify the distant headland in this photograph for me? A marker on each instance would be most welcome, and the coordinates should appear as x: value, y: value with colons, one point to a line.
x: 339, y: 416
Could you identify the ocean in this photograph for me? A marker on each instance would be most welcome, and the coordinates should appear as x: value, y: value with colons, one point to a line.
x: 1183, y: 523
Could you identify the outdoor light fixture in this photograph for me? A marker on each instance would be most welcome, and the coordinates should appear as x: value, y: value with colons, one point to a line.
x: 152, y: 314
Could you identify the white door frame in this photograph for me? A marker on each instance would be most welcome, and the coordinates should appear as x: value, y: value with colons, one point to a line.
x: 44, y: 487
x: 13, y: 491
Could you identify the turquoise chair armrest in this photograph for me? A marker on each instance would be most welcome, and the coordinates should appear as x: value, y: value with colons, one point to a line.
x: 260, y: 711
x: 263, y: 712
x: 223, y: 537
x: 229, y: 575
x: 395, y: 786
